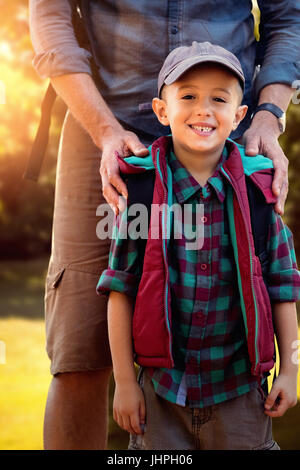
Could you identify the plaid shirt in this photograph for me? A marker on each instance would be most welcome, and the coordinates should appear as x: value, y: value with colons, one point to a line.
x: 209, y: 343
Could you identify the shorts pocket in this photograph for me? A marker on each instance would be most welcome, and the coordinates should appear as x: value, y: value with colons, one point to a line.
x: 54, y: 277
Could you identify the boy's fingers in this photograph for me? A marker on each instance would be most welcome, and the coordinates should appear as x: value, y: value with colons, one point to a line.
x: 118, y: 420
x: 128, y: 424
x: 271, y: 398
x: 142, y: 412
x: 135, y: 423
x: 279, y: 409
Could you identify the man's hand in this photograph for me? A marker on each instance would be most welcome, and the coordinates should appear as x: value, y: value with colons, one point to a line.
x: 125, y: 143
x: 129, y: 407
x: 262, y: 138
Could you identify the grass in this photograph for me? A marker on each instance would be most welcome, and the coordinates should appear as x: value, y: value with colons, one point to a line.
x: 25, y: 376
x: 24, y: 381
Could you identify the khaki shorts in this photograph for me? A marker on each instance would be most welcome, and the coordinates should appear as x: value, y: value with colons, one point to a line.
x: 236, y: 424
x: 76, y: 324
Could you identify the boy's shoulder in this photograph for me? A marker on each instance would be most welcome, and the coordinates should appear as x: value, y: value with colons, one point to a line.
x: 260, y: 170
x: 253, y: 163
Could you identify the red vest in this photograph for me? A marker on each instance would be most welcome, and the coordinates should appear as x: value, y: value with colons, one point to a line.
x: 152, y: 317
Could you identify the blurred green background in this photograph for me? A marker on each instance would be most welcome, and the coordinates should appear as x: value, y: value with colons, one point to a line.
x: 25, y: 237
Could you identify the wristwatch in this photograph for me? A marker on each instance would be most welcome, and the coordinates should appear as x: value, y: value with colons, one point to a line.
x: 272, y: 108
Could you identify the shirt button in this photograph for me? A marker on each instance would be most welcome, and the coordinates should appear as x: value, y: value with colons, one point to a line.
x: 174, y: 30
x: 204, y: 219
x: 203, y: 266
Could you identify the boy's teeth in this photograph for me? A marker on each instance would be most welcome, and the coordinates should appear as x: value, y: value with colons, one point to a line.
x: 202, y: 129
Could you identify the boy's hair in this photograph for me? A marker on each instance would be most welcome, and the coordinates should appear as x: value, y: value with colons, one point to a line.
x: 182, y: 59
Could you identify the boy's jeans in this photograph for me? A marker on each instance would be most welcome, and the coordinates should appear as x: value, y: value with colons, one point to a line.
x: 237, y: 424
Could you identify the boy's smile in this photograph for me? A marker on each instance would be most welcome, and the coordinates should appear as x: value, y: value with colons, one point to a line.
x: 202, y: 108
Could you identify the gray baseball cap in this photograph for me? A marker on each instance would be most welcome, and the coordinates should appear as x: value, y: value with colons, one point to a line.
x: 181, y: 59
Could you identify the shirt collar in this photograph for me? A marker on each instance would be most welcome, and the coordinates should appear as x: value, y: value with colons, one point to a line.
x: 185, y: 185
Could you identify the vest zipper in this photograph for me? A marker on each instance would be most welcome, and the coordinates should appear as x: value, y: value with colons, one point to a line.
x: 164, y: 243
x: 257, y: 361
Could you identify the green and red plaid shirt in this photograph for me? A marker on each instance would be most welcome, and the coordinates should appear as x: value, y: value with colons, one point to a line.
x: 209, y: 343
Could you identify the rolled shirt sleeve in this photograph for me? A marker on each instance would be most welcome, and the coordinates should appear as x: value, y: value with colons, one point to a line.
x: 278, y: 52
x: 57, y: 51
x: 124, y: 267
x: 283, y: 279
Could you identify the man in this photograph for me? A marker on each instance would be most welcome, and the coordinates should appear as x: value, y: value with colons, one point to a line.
x: 112, y: 113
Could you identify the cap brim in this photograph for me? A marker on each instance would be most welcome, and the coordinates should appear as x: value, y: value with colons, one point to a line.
x: 185, y: 65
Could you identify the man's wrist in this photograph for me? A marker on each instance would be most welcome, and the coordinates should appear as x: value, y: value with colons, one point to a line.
x: 265, y: 119
x: 274, y: 110
x: 104, y: 131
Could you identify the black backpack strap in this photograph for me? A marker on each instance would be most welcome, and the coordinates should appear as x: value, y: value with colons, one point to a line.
x: 36, y: 157
x: 261, y: 214
x: 40, y: 143
x: 140, y: 190
x: 140, y: 187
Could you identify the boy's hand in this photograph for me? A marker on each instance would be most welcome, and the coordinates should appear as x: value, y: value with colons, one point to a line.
x: 129, y: 409
x: 282, y: 396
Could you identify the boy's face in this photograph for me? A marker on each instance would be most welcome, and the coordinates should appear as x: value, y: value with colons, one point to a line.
x: 202, y: 108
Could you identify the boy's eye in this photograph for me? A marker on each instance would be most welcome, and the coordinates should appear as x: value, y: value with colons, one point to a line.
x: 219, y: 100
x: 188, y: 97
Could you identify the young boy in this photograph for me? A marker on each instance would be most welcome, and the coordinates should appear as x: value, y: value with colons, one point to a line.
x: 198, y: 318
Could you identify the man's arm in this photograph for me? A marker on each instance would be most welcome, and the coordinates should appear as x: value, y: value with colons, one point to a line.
x: 85, y: 102
x: 262, y: 138
x: 284, y: 391
x: 129, y: 405
x: 59, y: 57
x: 278, y: 54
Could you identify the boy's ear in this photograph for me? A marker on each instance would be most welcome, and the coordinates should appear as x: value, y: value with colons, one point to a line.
x: 239, y: 115
x: 160, y: 108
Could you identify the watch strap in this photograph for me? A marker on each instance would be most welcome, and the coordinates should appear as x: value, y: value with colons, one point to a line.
x: 272, y: 108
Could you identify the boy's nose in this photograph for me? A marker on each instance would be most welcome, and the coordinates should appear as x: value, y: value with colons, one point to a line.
x: 203, y: 109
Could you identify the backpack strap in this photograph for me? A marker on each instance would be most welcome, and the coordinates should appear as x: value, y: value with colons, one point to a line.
x: 261, y: 214
x: 36, y: 157
x: 140, y: 187
x: 37, y: 154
